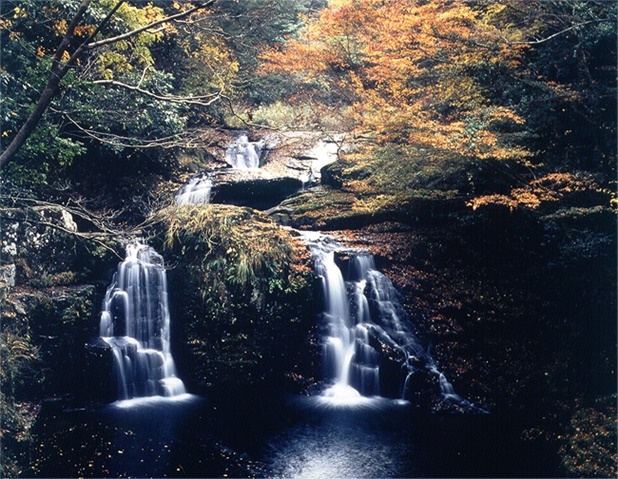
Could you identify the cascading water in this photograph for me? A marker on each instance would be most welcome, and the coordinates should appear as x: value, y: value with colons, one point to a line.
x: 362, y: 315
x: 196, y: 192
x: 244, y: 154
x: 135, y: 322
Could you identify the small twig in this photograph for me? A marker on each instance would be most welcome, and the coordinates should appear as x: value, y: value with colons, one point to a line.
x: 247, y: 123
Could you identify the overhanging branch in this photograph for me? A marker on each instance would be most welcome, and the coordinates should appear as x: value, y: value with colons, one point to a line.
x: 59, y: 69
x: 184, y: 139
x: 561, y: 32
x: 132, y: 33
x: 204, y: 100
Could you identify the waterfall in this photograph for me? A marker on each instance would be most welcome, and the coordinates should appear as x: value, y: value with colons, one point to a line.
x: 244, y: 154
x: 135, y: 322
x: 196, y: 191
x: 362, y: 315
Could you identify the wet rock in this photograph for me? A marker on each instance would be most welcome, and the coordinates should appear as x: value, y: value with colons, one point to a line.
x: 98, y: 372
x: 332, y: 175
x: 253, y: 188
x: 60, y: 321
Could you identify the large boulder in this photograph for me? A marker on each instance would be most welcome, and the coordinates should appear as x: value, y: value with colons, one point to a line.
x: 254, y: 188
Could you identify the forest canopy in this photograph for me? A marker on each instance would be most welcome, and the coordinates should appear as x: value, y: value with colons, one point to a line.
x: 112, y: 78
x: 488, y: 80
x: 532, y: 83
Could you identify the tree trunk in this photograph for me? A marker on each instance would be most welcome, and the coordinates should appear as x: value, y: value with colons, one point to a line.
x: 33, y: 120
x: 51, y: 89
x: 60, y: 69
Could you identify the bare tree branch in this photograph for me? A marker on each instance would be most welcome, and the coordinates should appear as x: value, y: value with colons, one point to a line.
x: 132, y: 33
x: 102, y: 221
x: 185, y: 139
x: 561, y: 32
x: 186, y: 100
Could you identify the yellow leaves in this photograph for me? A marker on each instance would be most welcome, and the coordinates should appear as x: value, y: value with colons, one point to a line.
x: 19, y: 13
x: 548, y: 189
x: 134, y: 17
x: 125, y: 56
x: 209, y: 62
x: 111, y: 62
x: 5, y: 24
x: 461, y: 92
x: 60, y: 27
x: 494, y: 11
x: 411, y: 70
x: 461, y: 16
x: 217, y: 59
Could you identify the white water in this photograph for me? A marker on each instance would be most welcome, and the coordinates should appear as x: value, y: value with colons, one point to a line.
x: 351, y: 363
x: 135, y: 322
x: 363, y: 305
x: 197, y: 191
x: 244, y: 154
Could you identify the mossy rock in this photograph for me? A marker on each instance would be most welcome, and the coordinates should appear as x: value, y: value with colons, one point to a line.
x: 60, y: 321
x: 241, y: 296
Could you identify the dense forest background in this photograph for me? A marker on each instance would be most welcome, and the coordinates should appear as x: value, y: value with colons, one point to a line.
x: 499, y: 113
x: 524, y: 90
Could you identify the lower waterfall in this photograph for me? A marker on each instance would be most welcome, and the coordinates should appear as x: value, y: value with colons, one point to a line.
x: 361, y: 318
x: 135, y: 322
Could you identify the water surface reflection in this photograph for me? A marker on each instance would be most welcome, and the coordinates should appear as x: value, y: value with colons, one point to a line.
x: 245, y: 435
x: 363, y: 440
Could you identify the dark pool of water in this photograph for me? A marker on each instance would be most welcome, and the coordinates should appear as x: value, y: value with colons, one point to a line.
x: 282, y: 436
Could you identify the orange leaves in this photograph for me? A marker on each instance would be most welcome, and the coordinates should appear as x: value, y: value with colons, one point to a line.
x: 550, y: 189
x: 60, y: 27
x: 326, y: 46
x: 84, y: 30
x: 411, y: 70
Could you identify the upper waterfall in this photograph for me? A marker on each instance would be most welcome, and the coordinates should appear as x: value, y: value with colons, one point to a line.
x: 244, y: 154
x: 135, y: 322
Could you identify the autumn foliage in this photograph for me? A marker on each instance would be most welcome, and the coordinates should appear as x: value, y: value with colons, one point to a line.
x: 554, y: 188
x: 420, y: 72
